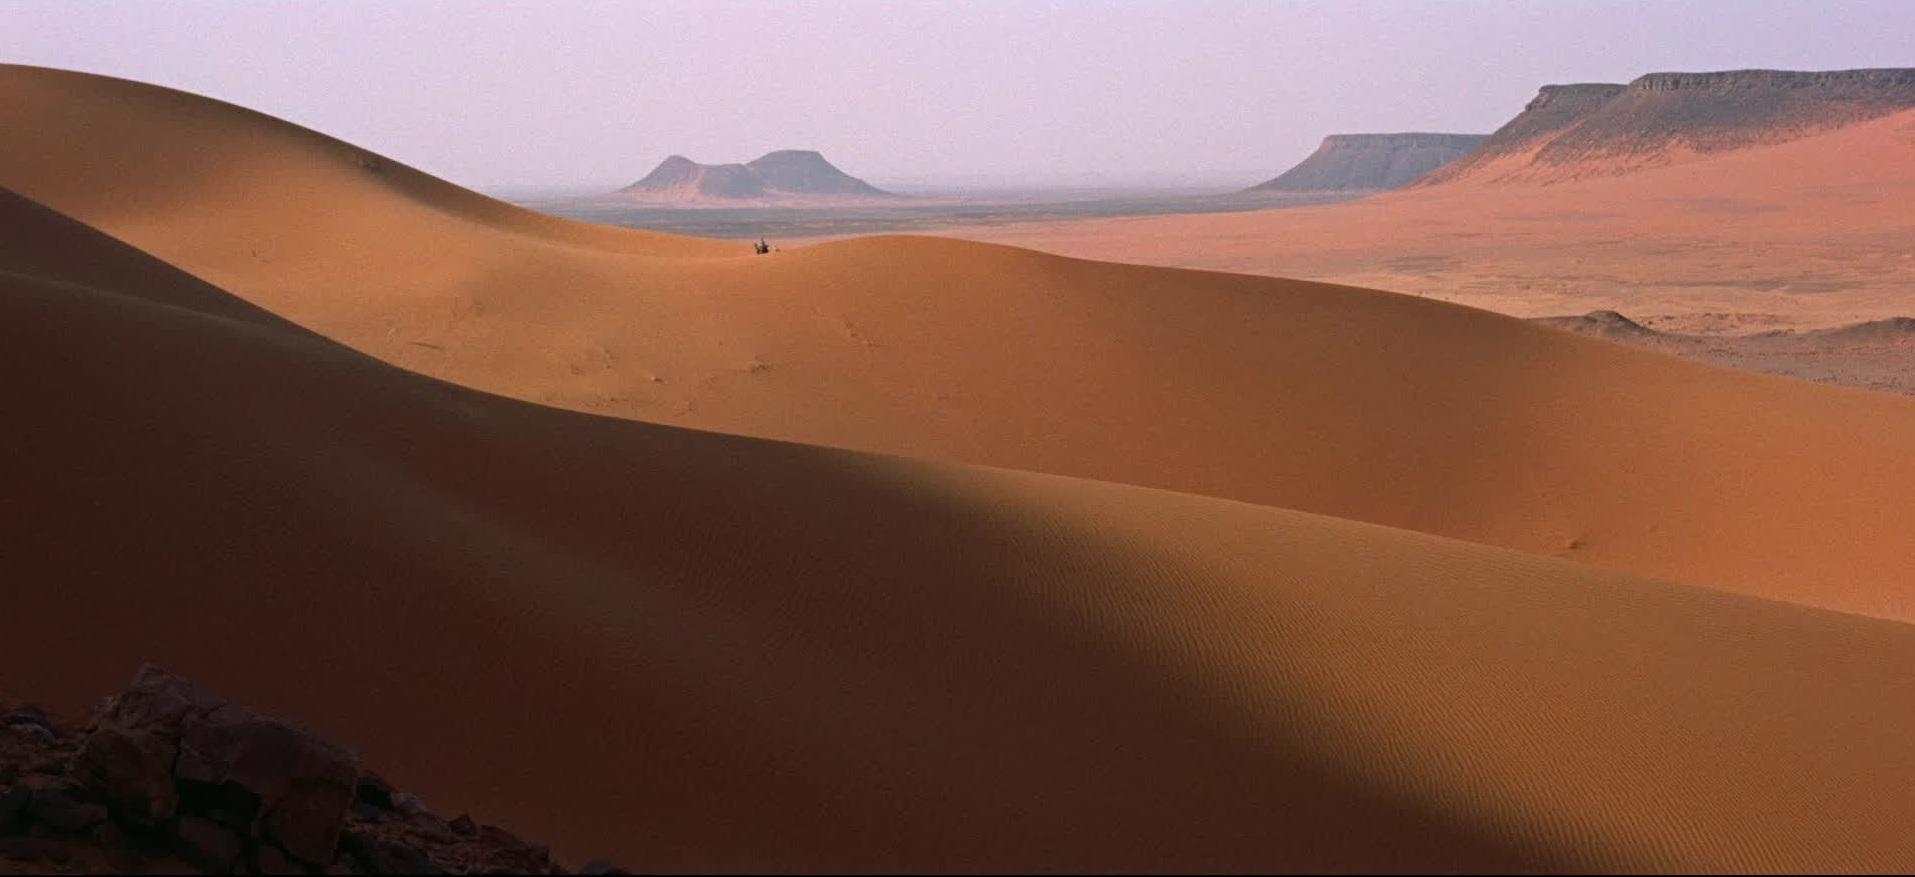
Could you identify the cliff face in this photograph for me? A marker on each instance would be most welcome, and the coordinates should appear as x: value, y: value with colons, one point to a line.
x: 1572, y: 131
x: 784, y: 175
x: 1348, y: 162
x: 1857, y: 82
x: 1555, y: 108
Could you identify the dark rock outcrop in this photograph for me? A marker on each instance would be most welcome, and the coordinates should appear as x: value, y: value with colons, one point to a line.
x: 1890, y: 330
x: 786, y: 174
x: 170, y: 777
x: 207, y: 844
x: 59, y: 806
x: 1602, y: 324
x: 1353, y: 162
x: 136, y: 769
x: 13, y: 807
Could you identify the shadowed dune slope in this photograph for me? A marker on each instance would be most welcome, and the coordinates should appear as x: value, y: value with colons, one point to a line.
x: 690, y: 650
x: 1334, y: 400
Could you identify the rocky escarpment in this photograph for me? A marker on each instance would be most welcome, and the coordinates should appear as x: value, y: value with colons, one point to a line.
x: 1572, y: 131
x: 1362, y: 162
x: 784, y: 175
x: 168, y: 777
x: 1555, y: 109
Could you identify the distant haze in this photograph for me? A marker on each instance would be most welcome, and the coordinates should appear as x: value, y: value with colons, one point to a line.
x: 596, y: 94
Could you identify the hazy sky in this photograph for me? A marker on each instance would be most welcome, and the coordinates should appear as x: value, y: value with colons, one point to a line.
x: 492, y: 94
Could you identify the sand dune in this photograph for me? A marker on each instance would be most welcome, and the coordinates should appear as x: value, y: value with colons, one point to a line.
x: 1362, y: 405
x: 293, y: 183
x: 688, y: 650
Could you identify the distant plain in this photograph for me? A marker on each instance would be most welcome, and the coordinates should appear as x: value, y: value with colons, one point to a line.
x: 923, y: 209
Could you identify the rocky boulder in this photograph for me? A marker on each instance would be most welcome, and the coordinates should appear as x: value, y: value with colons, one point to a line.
x: 171, y: 777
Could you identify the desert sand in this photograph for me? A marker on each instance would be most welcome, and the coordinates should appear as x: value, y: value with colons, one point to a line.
x: 690, y: 650
x: 1808, y: 237
x: 1363, y: 405
x: 1811, y: 233
x: 1198, y: 630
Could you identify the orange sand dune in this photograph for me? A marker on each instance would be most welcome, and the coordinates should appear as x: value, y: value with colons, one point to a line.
x: 299, y: 184
x: 1815, y: 232
x: 688, y: 650
x: 1340, y: 401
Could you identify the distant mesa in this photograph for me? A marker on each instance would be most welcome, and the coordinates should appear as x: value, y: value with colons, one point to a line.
x: 784, y: 176
x: 1364, y: 162
x: 1601, y: 129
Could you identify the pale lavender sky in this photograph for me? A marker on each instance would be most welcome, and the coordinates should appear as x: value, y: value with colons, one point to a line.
x: 555, y: 93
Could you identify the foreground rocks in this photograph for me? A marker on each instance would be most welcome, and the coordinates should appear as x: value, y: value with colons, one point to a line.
x: 168, y: 777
